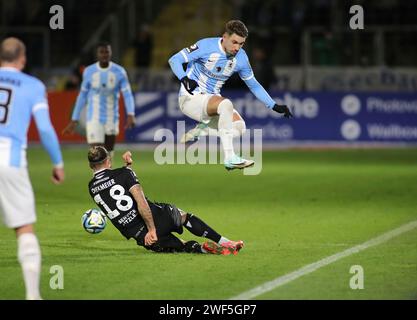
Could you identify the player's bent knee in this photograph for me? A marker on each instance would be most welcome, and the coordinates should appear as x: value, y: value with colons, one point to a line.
x: 225, y: 106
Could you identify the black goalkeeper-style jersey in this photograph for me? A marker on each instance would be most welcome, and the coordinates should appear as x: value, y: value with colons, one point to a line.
x: 110, y: 190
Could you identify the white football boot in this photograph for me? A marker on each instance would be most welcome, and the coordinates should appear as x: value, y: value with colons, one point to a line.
x: 195, y: 133
x: 237, y: 162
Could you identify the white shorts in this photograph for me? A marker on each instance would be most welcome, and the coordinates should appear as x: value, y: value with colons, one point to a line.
x: 214, y: 120
x: 17, y: 202
x: 97, y: 131
x: 195, y: 106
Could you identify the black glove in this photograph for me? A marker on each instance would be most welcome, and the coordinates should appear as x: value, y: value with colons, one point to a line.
x: 189, y: 84
x: 281, y: 108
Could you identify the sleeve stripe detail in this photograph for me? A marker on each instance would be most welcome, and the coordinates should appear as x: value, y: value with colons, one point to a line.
x: 248, y: 78
x: 184, y: 55
x: 136, y: 184
x: 59, y: 165
x: 39, y: 106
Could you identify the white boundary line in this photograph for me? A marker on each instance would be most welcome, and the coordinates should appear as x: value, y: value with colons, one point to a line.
x: 270, y: 285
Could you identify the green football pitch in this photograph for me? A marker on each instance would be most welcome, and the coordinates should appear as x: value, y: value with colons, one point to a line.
x: 304, y: 206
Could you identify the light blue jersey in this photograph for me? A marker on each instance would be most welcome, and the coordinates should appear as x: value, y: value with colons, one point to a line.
x: 210, y: 66
x: 22, y: 96
x: 100, y: 90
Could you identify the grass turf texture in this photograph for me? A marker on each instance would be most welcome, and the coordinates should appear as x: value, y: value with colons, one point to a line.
x: 304, y: 206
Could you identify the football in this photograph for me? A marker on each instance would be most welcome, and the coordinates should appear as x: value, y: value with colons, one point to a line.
x: 94, y: 221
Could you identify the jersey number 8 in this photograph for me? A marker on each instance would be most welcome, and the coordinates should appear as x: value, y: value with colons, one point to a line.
x: 5, y: 97
x: 123, y: 202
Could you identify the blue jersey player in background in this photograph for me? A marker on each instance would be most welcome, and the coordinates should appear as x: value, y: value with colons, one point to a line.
x: 210, y: 62
x: 21, y: 97
x: 100, y: 91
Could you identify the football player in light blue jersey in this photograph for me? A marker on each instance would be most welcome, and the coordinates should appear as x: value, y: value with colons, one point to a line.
x: 21, y: 97
x: 100, y: 90
x: 210, y: 62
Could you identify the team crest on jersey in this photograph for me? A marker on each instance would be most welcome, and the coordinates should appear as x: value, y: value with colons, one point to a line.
x: 230, y: 66
x: 192, y: 48
x: 111, y: 81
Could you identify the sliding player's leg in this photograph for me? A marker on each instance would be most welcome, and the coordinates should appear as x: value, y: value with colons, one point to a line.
x: 220, y: 244
x: 171, y: 244
x: 168, y: 218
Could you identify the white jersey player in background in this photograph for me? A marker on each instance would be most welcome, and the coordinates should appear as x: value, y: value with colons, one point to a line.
x: 100, y: 91
x: 210, y: 62
x: 22, y: 96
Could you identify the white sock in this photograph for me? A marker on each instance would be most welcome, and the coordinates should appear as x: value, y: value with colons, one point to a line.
x: 239, y: 128
x: 29, y: 256
x: 226, y: 137
x: 225, y: 111
x: 223, y: 240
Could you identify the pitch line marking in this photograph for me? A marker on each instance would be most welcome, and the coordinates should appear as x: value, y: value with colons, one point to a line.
x: 277, y: 282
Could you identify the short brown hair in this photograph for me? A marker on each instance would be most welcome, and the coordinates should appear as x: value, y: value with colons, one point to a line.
x: 11, y: 49
x: 238, y: 27
x: 97, y: 155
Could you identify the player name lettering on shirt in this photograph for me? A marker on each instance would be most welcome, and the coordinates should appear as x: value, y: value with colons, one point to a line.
x: 11, y: 81
x: 101, y: 180
x: 103, y: 186
x: 213, y: 75
x: 128, y: 218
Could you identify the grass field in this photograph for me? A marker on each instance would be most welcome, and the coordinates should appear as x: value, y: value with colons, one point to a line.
x: 304, y: 206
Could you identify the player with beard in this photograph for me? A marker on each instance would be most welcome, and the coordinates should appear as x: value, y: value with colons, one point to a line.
x: 210, y: 63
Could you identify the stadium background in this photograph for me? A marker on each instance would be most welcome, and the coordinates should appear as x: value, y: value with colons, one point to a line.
x: 352, y: 89
x: 344, y: 85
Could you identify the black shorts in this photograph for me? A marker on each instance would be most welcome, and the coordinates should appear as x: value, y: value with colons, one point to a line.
x: 167, y: 219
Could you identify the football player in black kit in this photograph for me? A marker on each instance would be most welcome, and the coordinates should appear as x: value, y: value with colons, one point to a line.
x: 120, y: 196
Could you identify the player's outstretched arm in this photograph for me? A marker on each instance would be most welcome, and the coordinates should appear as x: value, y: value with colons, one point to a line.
x: 146, y: 213
x: 137, y: 193
x: 70, y: 128
x: 246, y: 74
x: 128, y: 99
x: 127, y: 158
x: 176, y: 62
x: 50, y: 142
x: 79, y: 105
x: 58, y: 175
x: 256, y: 88
x: 282, y: 108
x: 130, y: 121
